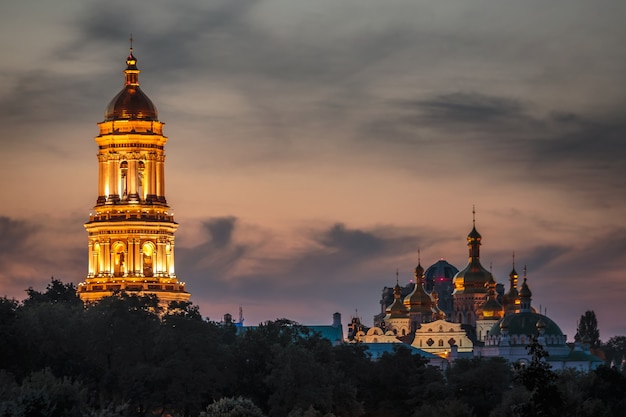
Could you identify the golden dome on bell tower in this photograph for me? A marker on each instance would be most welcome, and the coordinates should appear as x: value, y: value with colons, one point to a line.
x: 131, y: 102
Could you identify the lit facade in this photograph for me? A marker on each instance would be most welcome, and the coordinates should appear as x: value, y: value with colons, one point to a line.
x: 131, y: 229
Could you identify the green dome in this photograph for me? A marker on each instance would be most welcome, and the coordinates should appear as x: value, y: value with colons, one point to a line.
x: 527, y: 324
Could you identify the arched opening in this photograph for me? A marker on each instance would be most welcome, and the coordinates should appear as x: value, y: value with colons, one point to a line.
x: 124, y: 179
x: 141, y: 189
x: 119, y: 259
x: 149, y: 254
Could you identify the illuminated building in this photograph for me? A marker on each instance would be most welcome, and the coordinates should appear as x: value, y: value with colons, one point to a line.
x: 441, y: 337
x: 421, y: 306
x: 471, y: 284
x: 397, y: 318
x: 131, y: 229
x: 510, y: 300
x: 510, y: 336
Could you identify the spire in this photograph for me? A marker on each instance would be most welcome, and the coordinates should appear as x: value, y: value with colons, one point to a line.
x: 473, y: 213
x: 473, y: 239
x: 491, y: 309
x: 397, y: 308
x: 419, y: 270
x: 131, y: 72
x: 511, y: 299
x: 525, y: 295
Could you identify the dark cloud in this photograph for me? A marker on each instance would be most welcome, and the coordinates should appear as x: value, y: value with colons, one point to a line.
x: 211, y: 259
x: 221, y: 230
x: 336, y: 256
x: 470, y: 108
x: 352, y: 241
x: 31, y: 251
x: 14, y: 235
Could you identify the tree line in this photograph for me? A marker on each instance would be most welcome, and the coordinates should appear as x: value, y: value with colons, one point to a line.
x: 128, y: 356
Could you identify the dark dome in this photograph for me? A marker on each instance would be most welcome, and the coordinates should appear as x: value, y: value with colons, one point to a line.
x: 131, y: 103
x: 440, y: 271
x: 527, y: 324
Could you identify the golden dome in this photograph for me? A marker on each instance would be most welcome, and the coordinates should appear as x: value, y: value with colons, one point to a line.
x: 473, y: 278
x: 491, y: 309
x: 525, y: 291
x: 510, y: 300
x: 418, y: 301
x: 397, y: 309
x: 131, y: 102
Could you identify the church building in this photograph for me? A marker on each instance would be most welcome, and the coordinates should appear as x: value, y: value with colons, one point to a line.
x: 131, y: 228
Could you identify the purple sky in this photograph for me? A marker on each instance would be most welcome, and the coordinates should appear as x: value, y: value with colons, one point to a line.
x: 316, y: 145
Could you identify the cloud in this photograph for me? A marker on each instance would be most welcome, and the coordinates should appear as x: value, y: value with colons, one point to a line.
x: 31, y: 251
x: 467, y: 108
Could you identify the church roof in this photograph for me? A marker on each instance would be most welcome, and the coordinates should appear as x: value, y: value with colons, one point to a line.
x: 440, y: 270
x: 131, y: 103
x: 418, y: 301
x: 526, y: 324
x: 473, y: 278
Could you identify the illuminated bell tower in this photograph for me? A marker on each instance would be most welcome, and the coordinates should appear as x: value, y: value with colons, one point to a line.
x: 131, y: 229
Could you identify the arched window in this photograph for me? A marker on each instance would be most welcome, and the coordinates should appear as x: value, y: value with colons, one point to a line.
x: 141, y: 190
x: 149, y: 253
x: 441, y: 342
x: 119, y: 259
x: 124, y: 177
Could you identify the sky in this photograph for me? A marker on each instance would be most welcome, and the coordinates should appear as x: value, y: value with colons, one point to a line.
x: 316, y: 146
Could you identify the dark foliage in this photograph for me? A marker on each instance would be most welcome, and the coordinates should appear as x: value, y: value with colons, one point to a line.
x: 588, y: 330
x: 129, y: 356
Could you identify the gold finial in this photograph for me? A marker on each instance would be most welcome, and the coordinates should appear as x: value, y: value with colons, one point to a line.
x: 419, y: 260
x: 513, y: 259
x: 397, y: 283
x: 524, y: 273
x: 131, y: 43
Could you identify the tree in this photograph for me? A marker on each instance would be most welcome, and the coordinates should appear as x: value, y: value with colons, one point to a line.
x: 42, y: 394
x: 393, y: 382
x: 480, y: 382
x: 232, y: 407
x: 615, y: 351
x: 449, y: 408
x: 540, y: 380
x: 56, y: 292
x: 588, y: 329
